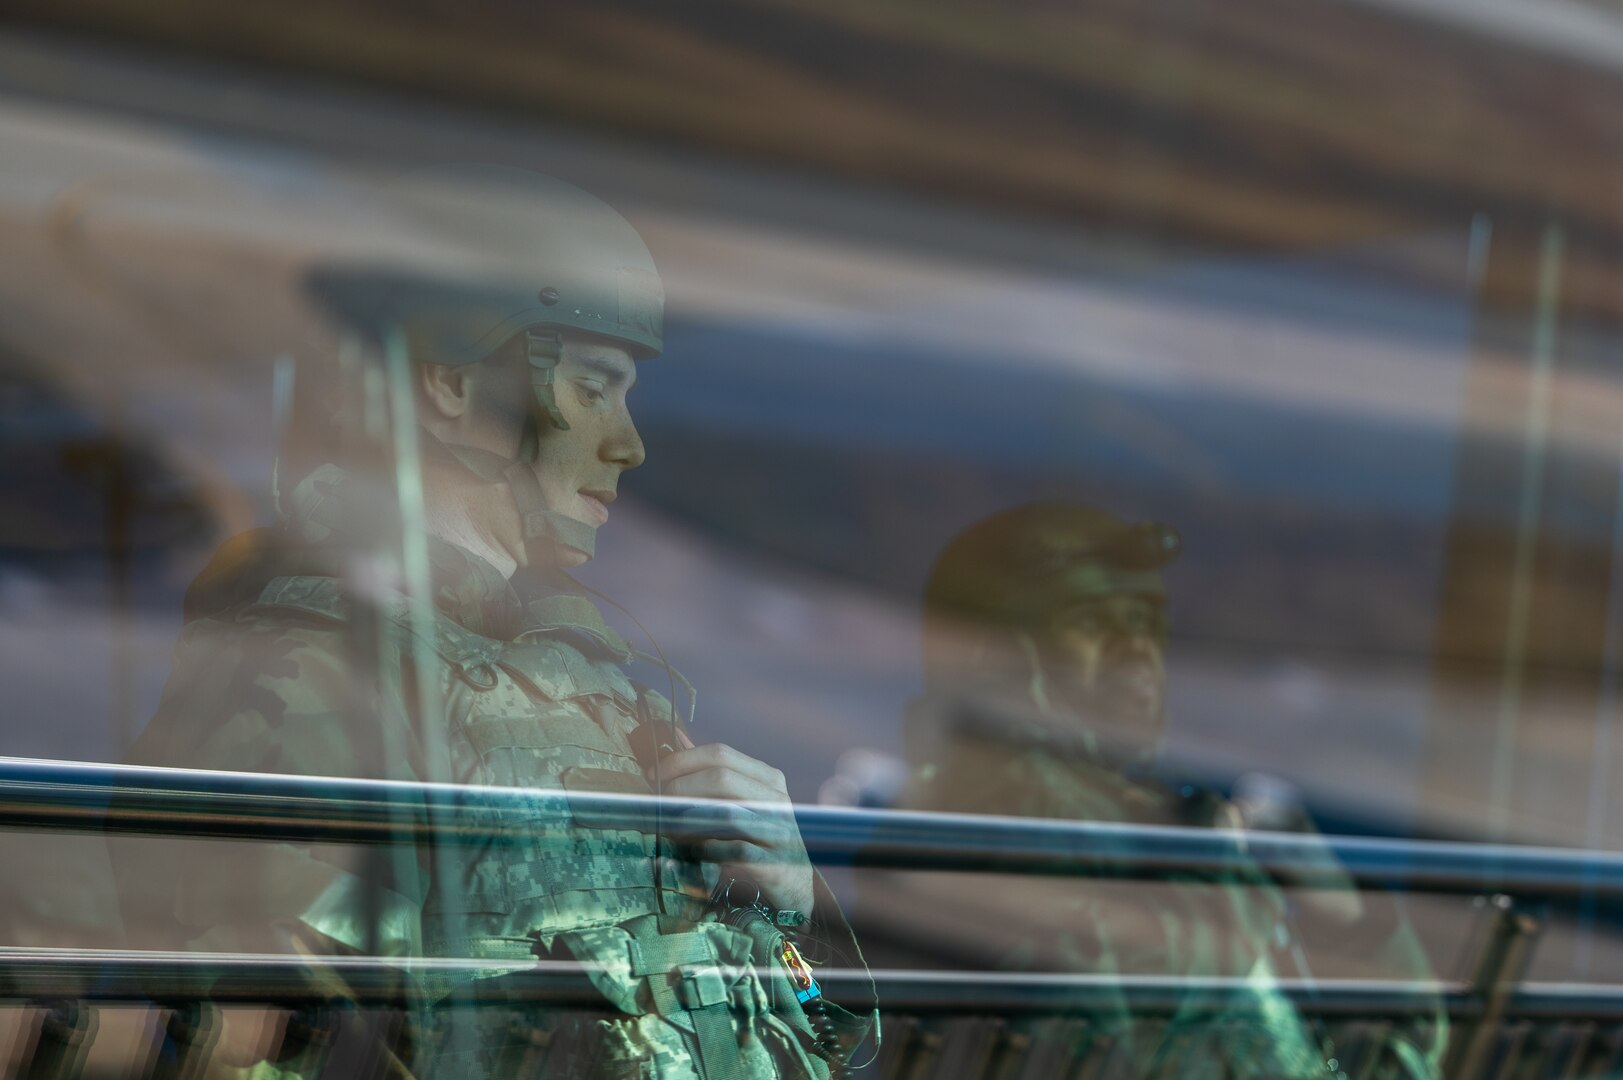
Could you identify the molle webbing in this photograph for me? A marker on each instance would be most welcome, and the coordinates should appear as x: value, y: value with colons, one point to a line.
x: 692, y: 988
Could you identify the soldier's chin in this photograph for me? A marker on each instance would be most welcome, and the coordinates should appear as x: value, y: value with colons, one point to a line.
x: 554, y: 553
x: 570, y: 556
x: 1133, y: 692
x: 1125, y: 715
x: 573, y: 543
x: 1133, y: 724
x: 1130, y: 713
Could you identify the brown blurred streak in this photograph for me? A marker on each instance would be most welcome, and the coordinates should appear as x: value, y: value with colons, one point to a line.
x: 1567, y: 610
x: 1257, y: 124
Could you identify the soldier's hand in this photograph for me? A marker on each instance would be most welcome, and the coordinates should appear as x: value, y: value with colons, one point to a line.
x: 1322, y: 887
x: 759, y: 841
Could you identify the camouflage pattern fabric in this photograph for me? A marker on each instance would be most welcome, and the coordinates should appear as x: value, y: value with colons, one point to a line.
x: 266, y: 678
x: 1235, y: 926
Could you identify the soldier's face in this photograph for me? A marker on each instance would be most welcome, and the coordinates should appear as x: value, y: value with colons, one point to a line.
x: 1111, y: 661
x: 578, y: 468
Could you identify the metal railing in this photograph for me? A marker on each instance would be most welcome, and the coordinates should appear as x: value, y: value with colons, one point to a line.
x: 108, y: 799
x: 116, y: 799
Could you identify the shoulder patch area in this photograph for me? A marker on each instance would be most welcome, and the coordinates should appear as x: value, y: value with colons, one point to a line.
x: 318, y: 596
x: 323, y: 597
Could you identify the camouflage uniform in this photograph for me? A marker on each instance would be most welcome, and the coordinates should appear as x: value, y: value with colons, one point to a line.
x: 1236, y: 926
x: 1188, y: 927
x: 533, y: 696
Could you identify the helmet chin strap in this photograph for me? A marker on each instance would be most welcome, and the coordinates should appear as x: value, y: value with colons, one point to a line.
x: 546, y: 531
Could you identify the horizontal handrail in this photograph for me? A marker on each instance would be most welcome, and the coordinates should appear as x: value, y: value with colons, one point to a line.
x: 37, y: 794
x: 113, y: 976
x: 132, y: 975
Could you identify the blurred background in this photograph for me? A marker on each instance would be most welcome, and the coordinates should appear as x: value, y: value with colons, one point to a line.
x: 1332, y: 286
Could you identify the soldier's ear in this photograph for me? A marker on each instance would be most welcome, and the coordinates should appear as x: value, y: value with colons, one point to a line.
x: 444, y: 389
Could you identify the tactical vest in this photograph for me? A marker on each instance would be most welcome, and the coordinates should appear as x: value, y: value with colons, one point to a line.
x: 553, y: 713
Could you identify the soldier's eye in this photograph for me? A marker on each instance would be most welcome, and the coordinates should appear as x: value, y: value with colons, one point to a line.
x: 590, y: 392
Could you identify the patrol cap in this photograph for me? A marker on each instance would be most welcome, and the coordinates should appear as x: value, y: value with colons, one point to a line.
x: 1022, y: 566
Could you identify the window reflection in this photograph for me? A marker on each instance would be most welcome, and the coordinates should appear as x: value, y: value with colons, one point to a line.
x: 1113, y: 427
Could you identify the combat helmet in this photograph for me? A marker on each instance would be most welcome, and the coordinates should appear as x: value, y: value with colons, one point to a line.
x: 475, y: 256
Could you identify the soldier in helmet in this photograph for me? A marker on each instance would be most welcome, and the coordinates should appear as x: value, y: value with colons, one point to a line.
x: 295, y: 661
x: 1044, y: 659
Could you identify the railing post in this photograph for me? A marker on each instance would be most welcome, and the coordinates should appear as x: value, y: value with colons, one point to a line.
x: 187, y: 1036
x: 1503, y: 962
x: 60, y: 1039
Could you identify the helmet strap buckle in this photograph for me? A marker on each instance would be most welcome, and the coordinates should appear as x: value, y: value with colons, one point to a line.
x: 543, y: 349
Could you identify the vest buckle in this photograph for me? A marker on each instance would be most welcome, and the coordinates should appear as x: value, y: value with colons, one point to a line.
x: 701, y: 986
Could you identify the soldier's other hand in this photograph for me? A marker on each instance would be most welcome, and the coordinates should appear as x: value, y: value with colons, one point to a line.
x: 758, y: 842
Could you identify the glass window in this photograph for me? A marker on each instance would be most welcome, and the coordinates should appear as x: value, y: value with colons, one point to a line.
x: 532, y: 542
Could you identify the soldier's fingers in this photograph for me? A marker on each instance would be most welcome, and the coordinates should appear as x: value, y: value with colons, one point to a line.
x: 723, y: 822
x: 722, y: 819
x: 712, y: 820
x: 720, y: 783
x: 720, y: 755
x: 741, y: 853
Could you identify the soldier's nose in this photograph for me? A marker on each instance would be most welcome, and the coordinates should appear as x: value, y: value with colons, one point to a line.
x: 624, y: 448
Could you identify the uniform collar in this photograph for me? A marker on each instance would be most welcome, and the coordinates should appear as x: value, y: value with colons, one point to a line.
x: 466, y: 587
x: 472, y: 592
x: 327, y: 510
x: 556, y: 605
x: 533, y: 605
